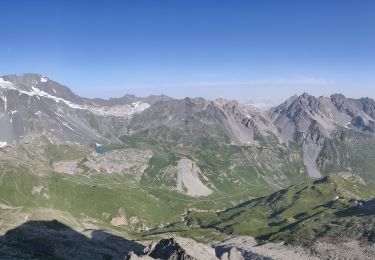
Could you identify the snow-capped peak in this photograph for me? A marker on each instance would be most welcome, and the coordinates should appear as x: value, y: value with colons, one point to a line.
x: 43, y: 79
x: 6, y: 84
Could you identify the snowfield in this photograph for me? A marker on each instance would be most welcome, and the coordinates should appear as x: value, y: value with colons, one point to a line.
x: 127, y: 110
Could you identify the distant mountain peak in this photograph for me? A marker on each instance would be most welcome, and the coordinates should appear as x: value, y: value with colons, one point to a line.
x: 305, y: 95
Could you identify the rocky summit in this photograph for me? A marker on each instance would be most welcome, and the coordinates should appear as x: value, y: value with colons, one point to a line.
x: 163, y: 178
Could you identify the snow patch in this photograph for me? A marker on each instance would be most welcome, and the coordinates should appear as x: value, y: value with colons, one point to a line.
x: 121, y: 110
x: 68, y: 126
x: 43, y: 79
x: 39, y: 93
x: 125, y: 110
x: 3, y: 144
x: 6, y: 84
x: 4, y: 98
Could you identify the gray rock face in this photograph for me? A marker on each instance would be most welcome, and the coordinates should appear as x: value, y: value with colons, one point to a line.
x: 177, y: 249
x: 33, y: 105
x: 243, y: 247
x: 316, y: 119
x: 242, y: 123
x: 234, y: 248
x: 188, y: 180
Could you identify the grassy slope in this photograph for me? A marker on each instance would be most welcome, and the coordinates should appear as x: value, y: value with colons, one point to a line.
x: 349, y: 150
x: 239, y: 174
x: 153, y: 200
x: 297, y: 214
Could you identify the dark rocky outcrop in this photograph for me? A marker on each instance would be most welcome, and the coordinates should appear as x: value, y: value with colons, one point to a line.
x: 176, y: 249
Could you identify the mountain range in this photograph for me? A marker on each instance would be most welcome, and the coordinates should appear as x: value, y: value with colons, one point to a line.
x: 149, y: 165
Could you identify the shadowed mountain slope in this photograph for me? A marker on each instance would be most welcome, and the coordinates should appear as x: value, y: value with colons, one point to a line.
x: 54, y: 240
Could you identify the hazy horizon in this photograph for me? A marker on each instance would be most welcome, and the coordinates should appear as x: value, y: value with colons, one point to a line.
x: 205, y: 91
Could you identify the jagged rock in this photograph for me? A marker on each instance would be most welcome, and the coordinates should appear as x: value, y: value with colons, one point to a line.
x: 358, y: 122
x: 134, y: 256
x: 33, y: 104
x: 134, y: 220
x: 177, y: 249
x: 234, y: 248
x: 232, y: 254
x: 119, y: 221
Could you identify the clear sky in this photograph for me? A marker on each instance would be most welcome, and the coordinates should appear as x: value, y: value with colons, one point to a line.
x: 261, y: 51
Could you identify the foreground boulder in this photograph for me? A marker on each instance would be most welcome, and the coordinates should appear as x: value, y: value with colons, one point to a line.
x: 176, y: 249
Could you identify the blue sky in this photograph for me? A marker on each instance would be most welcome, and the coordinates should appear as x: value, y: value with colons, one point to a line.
x: 261, y: 51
